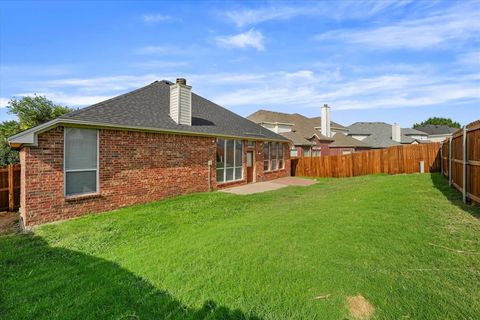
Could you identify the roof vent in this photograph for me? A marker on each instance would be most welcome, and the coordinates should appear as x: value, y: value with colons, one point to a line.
x: 181, y: 102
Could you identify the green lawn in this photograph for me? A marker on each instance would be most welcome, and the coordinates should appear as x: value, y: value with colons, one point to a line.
x: 264, y: 256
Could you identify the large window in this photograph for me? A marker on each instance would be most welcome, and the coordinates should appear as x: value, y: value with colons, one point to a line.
x: 229, y: 160
x: 81, y: 161
x: 280, y: 156
x: 266, y: 156
x: 273, y: 156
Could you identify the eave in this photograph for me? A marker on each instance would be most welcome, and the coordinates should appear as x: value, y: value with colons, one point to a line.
x: 30, y: 137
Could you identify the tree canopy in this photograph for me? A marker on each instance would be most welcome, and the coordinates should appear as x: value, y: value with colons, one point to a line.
x: 30, y: 111
x: 438, y: 121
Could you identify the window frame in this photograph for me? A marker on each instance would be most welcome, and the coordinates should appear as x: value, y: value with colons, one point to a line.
x: 269, y: 168
x: 293, y: 150
x: 276, y: 157
x: 65, y: 171
x: 280, y: 146
x: 235, y: 166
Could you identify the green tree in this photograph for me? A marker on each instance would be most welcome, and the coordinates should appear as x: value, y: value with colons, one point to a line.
x: 31, y: 112
x: 7, y: 154
x: 438, y: 121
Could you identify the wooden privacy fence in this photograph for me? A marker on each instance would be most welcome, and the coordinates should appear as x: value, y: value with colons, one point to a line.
x: 393, y: 160
x: 461, y: 161
x: 10, y: 187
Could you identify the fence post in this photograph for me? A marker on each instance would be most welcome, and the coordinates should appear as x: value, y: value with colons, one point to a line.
x: 11, y: 190
x: 450, y: 161
x: 464, y: 169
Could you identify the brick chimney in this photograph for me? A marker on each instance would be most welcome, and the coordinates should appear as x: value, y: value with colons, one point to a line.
x: 396, y: 133
x: 325, y: 125
x: 181, y: 102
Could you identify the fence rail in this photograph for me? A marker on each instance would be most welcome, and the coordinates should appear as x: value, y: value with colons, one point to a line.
x: 461, y: 161
x: 10, y: 187
x: 393, y: 160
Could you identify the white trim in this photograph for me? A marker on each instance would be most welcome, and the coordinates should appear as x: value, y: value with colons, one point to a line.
x: 29, y: 137
x: 65, y: 171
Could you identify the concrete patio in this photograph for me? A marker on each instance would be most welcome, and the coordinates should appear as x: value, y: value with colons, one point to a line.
x: 269, y: 185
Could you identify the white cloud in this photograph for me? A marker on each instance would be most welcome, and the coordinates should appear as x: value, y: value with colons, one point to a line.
x: 251, y: 38
x: 337, y: 10
x: 154, y: 18
x: 4, y: 102
x: 383, y: 91
x: 294, y: 89
x: 469, y: 58
x: 161, y: 64
x: 439, y: 28
x: 9, y: 71
x: 68, y: 99
x: 158, y: 50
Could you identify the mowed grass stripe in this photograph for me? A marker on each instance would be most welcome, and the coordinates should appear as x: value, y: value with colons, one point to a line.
x: 264, y: 256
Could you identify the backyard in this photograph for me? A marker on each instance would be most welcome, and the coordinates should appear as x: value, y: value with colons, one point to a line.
x: 385, y: 247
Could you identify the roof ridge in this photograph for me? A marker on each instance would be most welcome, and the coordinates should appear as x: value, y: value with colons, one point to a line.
x: 79, y: 111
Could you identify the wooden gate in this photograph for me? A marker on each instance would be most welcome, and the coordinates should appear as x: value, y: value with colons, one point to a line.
x: 10, y: 187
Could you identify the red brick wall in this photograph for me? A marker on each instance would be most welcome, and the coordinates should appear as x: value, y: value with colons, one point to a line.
x: 134, y: 168
x: 259, y: 174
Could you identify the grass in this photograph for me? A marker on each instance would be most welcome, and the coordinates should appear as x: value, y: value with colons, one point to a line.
x: 263, y: 256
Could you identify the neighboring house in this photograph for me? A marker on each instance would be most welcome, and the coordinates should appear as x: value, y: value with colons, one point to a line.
x: 383, y: 135
x: 437, y: 133
x: 309, y: 136
x: 155, y: 142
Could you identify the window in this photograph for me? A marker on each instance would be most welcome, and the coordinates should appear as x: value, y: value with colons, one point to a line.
x: 273, y: 156
x: 229, y: 160
x: 251, y: 144
x: 280, y: 156
x: 316, y: 153
x: 266, y: 156
x: 81, y: 161
x: 345, y: 152
x: 293, y: 152
x: 306, y: 152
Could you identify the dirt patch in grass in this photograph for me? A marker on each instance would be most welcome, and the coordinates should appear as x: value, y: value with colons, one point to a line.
x: 359, y: 307
x: 9, y: 222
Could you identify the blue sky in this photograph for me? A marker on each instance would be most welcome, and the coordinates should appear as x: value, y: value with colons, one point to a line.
x: 392, y: 61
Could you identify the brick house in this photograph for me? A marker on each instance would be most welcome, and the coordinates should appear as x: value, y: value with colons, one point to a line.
x: 317, y: 136
x: 158, y: 141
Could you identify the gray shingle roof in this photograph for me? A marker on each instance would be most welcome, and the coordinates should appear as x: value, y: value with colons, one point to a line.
x: 301, y: 125
x: 341, y: 140
x: 436, y: 129
x: 380, y: 134
x: 297, y: 139
x: 149, y: 106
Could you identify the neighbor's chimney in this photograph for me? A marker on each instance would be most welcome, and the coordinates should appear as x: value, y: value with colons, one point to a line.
x: 181, y: 102
x: 396, y: 135
x: 325, y: 125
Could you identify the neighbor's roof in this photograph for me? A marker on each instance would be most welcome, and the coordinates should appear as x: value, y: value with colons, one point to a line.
x: 297, y: 139
x: 261, y: 116
x: 379, y: 134
x: 341, y: 140
x: 436, y: 129
x: 302, y: 125
x: 148, y: 109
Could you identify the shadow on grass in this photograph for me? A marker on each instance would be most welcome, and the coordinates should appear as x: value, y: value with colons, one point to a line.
x: 453, y: 195
x: 41, y: 282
